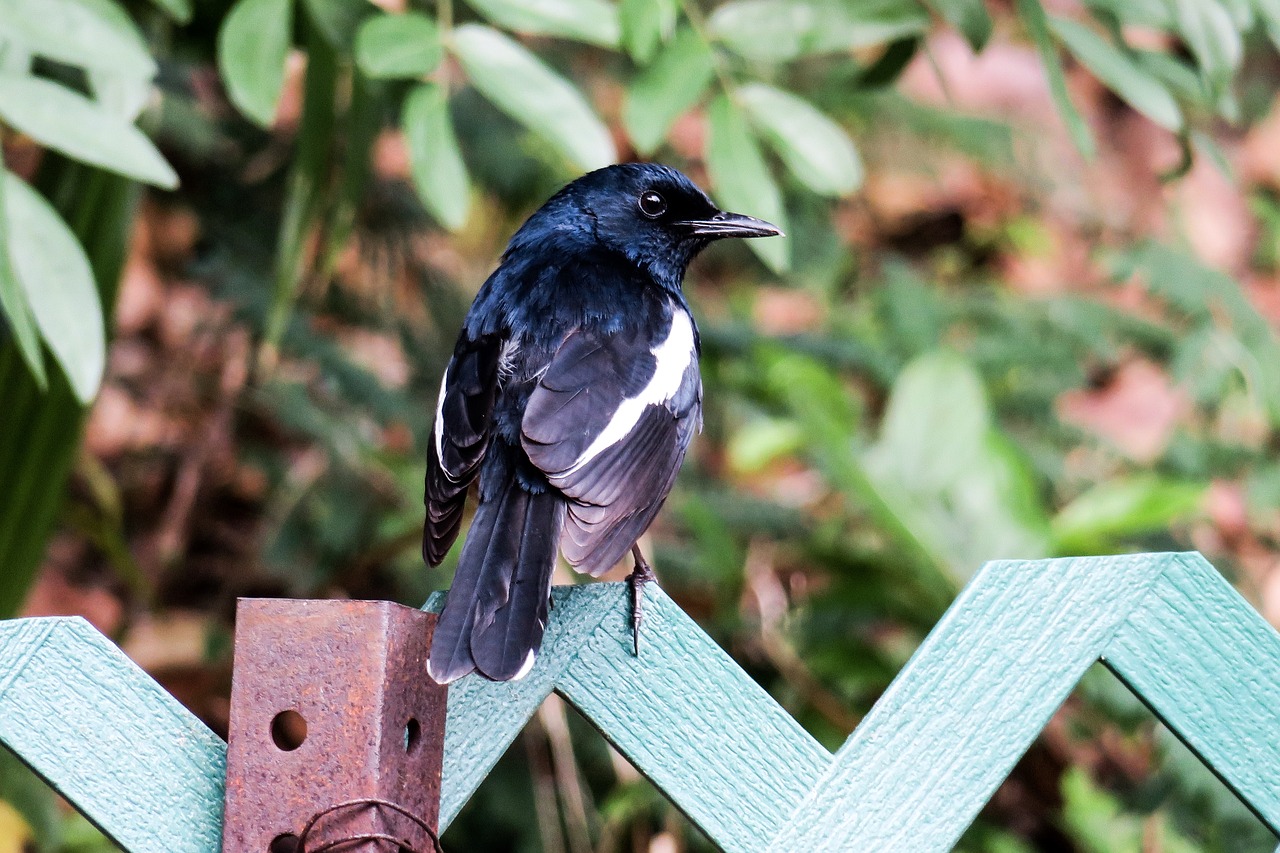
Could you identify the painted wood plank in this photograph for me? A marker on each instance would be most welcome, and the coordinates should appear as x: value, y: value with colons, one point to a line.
x: 693, y: 722
x: 968, y: 704
x: 484, y: 717
x: 911, y: 777
x: 109, y: 738
x: 1208, y: 665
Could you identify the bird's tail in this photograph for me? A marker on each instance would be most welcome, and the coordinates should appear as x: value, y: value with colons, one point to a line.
x: 496, y: 610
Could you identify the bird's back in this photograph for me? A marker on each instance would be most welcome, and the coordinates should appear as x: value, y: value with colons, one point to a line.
x: 596, y: 397
x: 572, y: 396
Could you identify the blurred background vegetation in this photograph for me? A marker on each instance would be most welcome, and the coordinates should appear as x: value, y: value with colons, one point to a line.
x: 1027, y: 307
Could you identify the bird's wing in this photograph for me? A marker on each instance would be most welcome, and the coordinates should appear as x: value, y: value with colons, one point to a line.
x: 459, y: 438
x: 609, y: 423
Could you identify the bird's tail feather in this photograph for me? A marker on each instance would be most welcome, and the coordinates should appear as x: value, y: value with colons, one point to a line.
x: 496, y: 610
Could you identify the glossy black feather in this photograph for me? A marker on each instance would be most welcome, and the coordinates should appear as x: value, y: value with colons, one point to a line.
x: 497, y: 607
x: 466, y: 409
x: 617, y: 491
x: 512, y: 610
x: 589, y: 377
x: 632, y: 480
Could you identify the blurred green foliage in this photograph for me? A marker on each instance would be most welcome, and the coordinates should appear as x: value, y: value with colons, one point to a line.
x: 853, y: 473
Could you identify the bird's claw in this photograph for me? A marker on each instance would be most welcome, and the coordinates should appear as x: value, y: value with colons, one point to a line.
x: 640, y: 575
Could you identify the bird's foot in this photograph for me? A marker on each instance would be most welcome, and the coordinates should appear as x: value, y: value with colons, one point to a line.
x: 640, y: 575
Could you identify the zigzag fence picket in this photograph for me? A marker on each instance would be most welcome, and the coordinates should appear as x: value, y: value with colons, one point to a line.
x: 912, y: 777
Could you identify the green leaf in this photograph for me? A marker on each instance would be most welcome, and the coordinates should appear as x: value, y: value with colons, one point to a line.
x: 826, y: 412
x: 1213, y: 301
x: 1177, y: 75
x: 1127, y: 506
x: 645, y: 25
x: 23, y: 790
x: 83, y: 33
x: 13, y: 302
x: 54, y: 273
x: 934, y: 389
x: 179, y: 10
x: 1153, y: 14
x: 82, y: 129
x: 666, y: 89
x: 1211, y: 35
x: 817, y: 399
x: 761, y: 441
x: 1241, y: 12
x: 519, y: 84
x: 339, y: 20
x: 252, y: 47
x: 1033, y: 16
x: 889, y: 66
x: 439, y: 174
x: 1269, y: 13
x: 814, y: 148
x: 1140, y: 89
x: 949, y: 475
x: 14, y: 58
x: 970, y: 17
x: 741, y: 180
x: 1099, y: 822
x: 780, y: 30
x: 121, y: 95
x: 590, y: 21
x: 405, y: 45
x: 96, y: 35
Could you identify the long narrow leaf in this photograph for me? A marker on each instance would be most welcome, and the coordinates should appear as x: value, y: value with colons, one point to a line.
x: 179, y: 10
x: 534, y: 95
x: 672, y: 83
x: 591, y: 21
x: 1215, y: 42
x: 439, y: 174
x: 815, y: 149
x: 54, y: 273
x: 84, y: 33
x: 740, y: 178
x: 646, y: 24
x: 1139, y: 88
x: 308, y: 175
x: 13, y: 302
x: 252, y: 47
x: 781, y: 30
x: 39, y: 436
x: 1124, y: 507
x: 1032, y: 14
x: 120, y: 94
x: 338, y: 21
x: 83, y: 129
x: 405, y: 45
x: 970, y: 17
x: 1269, y: 13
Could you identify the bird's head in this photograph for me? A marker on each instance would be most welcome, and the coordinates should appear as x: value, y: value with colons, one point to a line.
x: 652, y: 214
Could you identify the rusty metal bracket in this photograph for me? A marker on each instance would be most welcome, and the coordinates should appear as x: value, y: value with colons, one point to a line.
x: 337, y: 732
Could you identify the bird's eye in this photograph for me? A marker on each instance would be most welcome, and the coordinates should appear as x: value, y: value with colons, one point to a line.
x: 652, y: 204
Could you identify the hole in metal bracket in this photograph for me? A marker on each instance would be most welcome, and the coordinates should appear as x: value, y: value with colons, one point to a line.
x: 284, y: 843
x: 412, y: 734
x: 288, y: 730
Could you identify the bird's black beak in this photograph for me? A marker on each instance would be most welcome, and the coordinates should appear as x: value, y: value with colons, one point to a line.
x: 732, y: 225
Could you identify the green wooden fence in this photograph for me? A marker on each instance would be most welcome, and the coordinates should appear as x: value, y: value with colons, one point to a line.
x: 912, y: 776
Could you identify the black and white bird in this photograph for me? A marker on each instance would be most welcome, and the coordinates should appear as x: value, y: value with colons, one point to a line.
x: 571, y: 396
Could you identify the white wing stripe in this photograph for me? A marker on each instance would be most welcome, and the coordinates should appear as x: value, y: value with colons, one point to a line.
x: 673, y: 357
x: 526, y: 666
x: 439, y: 430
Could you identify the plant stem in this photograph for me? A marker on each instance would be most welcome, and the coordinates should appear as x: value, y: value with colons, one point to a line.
x: 306, y: 177
x: 698, y: 24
